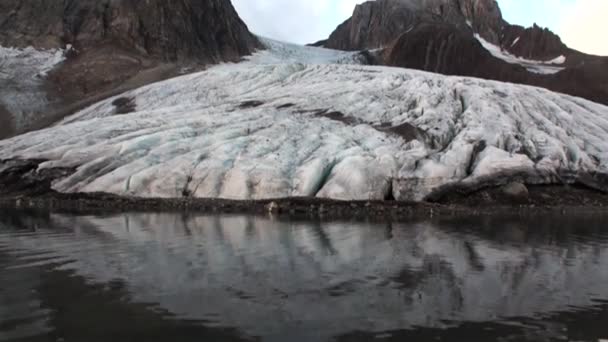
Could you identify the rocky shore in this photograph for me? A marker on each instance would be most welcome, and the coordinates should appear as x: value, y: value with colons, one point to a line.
x: 22, y: 187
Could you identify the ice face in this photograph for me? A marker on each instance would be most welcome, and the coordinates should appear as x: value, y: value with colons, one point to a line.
x: 309, y: 126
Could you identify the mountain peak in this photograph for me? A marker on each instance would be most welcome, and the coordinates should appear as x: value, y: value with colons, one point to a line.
x: 375, y: 24
x: 469, y: 38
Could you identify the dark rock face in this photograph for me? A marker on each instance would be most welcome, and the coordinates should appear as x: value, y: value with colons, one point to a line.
x: 207, y: 30
x: 534, y: 43
x: 485, y: 18
x: 376, y: 24
x: 21, y: 177
x: 438, y: 36
x: 373, y: 25
x: 119, y: 44
x: 441, y: 48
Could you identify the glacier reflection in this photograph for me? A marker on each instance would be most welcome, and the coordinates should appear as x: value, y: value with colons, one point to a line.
x: 315, y: 280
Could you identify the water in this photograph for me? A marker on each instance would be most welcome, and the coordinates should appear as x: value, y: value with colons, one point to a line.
x: 168, y: 277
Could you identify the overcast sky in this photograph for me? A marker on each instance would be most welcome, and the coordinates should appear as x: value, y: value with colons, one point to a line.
x: 582, y: 24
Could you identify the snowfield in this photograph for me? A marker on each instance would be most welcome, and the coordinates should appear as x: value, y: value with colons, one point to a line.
x: 293, y: 121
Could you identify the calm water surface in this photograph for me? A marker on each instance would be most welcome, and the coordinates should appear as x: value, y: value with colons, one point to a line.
x: 168, y: 277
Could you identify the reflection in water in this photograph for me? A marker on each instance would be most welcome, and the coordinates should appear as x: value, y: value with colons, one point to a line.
x: 158, y: 276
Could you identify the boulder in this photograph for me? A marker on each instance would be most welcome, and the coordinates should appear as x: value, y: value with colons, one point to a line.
x: 516, y: 191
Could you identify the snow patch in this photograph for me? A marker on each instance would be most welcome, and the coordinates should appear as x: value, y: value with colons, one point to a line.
x: 537, y: 67
x: 515, y: 41
x: 558, y: 60
x: 28, y: 63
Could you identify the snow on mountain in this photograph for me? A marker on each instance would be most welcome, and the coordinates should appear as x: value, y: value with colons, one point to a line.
x: 21, y: 71
x: 291, y: 121
x: 30, y: 63
x: 557, y: 60
x: 280, y: 53
x: 538, y: 67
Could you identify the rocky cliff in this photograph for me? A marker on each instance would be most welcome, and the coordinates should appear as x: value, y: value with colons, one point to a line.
x: 375, y: 24
x: 470, y: 38
x: 208, y: 31
x: 115, y: 45
x: 533, y: 43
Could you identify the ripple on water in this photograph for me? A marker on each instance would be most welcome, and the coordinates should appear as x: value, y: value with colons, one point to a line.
x: 307, y: 280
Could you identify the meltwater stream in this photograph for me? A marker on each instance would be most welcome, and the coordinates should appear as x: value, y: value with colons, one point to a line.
x: 178, y: 277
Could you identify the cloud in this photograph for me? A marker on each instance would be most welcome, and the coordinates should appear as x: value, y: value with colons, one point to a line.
x: 585, y: 25
x: 298, y: 21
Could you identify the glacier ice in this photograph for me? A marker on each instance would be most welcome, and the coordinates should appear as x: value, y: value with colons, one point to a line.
x: 304, y: 121
x: 21, y: 72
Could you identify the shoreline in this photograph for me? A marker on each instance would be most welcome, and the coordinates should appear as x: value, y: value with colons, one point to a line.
x: 313, y: 208
x: 22, y: 186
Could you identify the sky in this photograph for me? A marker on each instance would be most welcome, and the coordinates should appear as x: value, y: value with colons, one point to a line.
x: 582, y: 24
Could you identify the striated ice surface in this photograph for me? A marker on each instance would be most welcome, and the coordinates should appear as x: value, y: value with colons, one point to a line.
x: 291, y: 121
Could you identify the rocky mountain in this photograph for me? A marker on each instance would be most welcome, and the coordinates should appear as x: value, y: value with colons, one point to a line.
x: 109, y: 46
x: 208, y: 30
x: 376, y: 24
x: 470, y: 38
x: 293, y: 121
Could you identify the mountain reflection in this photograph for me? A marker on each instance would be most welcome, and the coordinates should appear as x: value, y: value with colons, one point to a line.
x: 313, y: 280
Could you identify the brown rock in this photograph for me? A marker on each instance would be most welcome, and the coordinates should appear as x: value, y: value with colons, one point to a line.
x: 438, y: 36
x: 208, y: 31
x: 120, y: 44
x: 485, y: 18
x: 516, y: 191
x: 376, y: 24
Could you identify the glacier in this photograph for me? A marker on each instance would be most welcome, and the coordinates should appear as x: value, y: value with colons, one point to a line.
x: 21, y: 79
x: 294, y: 121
